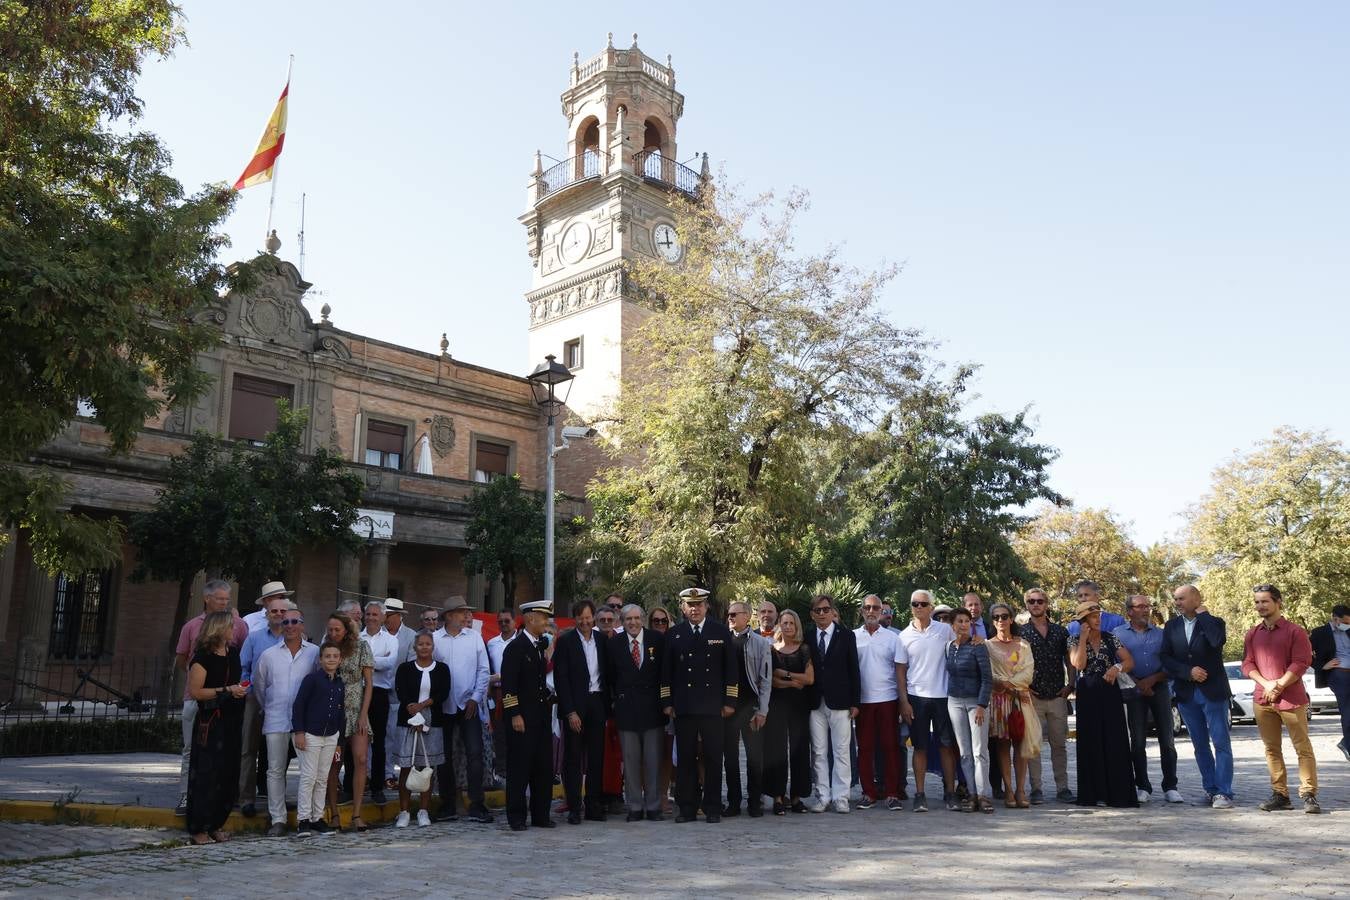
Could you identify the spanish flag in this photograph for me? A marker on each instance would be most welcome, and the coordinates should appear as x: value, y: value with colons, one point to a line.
x: 259, y: 169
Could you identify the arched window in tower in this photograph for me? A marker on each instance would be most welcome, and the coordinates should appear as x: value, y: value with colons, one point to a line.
x: 653, y: 150
x: 589, y: 139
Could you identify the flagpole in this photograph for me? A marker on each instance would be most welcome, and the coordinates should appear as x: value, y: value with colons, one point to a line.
x: 276, y: 166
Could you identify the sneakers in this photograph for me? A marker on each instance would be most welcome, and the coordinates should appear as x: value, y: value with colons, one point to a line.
x: 403, y: 819
x: 950, y: 801
x: 277, y: 830
x: 1065, y: 796
x: 1142, y: 795
x: 423, y: 818
x: 181, y: 809
x: 1222, y: 802
x: 1174, y: 796
x: 1345, y: 751
x: 866, y: 802
x: 1276, y: 802
x: 840, y: 805
x: 1310, y: 804
x: 302, y: 829
x: 815, y: 805
x: 894, y: 804
x: 1037, y: 797
x: 321, y: 828
x: 920, y: 803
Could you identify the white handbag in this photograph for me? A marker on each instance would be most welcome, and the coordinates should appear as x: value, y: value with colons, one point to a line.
x: 419, y: 777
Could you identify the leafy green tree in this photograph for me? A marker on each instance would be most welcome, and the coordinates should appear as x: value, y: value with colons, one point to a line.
x: 505, y: 533
x: 1062, y: 545
x: 103, y: 258
x: 1279, y: 514
x: 244, y: 512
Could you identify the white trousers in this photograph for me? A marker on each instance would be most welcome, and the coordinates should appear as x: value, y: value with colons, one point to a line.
x: 278, y: 758
x: 315, y: 761
x: 831, y: 728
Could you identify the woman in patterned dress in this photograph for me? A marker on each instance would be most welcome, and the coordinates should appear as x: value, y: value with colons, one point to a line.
x: 356, y: 671
x: 1011, y: 660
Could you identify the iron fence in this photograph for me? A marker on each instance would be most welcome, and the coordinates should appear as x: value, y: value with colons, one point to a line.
x: 653, y: 166
x: 569, y: 171
x: 57, y: 707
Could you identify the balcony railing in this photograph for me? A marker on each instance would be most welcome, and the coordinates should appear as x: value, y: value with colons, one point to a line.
x: 590, y: 164
x: 654, y: 167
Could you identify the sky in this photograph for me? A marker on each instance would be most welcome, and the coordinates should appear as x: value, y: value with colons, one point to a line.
x: 1133, y: 217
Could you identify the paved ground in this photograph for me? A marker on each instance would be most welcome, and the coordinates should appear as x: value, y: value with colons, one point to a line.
x: 1159, y: 850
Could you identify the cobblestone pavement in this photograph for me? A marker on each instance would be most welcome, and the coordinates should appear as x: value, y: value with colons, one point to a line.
x: 27, y: 841
x: 1159, y: 850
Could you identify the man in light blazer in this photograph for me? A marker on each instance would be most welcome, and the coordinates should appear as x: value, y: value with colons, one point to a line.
x: 755, y: 667
x: 633, y: 661
x: 1192, y: 655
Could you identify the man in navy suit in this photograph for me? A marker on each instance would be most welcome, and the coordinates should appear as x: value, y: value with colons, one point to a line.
x: 579, y: 681
x: 633, y: 660
x: 834, y: 656
x: 1192, y: 655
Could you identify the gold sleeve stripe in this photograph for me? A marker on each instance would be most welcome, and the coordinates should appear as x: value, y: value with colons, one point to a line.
x: 733, y: 690
x: 510, y: 700
x: 665, y: 692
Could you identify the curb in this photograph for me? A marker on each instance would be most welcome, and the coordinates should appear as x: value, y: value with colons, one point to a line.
x: 57, y: 813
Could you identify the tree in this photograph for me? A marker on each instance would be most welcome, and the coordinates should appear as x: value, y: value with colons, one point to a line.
x: 752, y: 360
x: 1062, y: 545
x: 244, y: 513
x: 1280, y: 514
x: 103, y: 259
x: 505, y: 533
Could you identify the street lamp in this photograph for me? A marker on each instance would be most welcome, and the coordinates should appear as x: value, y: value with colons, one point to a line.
x: 546, y: 381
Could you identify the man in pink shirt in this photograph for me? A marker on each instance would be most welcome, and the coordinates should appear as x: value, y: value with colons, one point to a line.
x: 215, y: 598
x: 1275, y: 655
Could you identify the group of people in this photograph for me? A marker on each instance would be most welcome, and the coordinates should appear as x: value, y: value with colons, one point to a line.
x: 631, y: 697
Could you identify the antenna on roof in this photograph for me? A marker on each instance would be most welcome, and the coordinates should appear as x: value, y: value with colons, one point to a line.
x: 301, y: 235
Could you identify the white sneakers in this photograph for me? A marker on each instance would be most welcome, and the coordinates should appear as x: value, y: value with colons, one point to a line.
x: 423, y: 818
x: 1142, y: 795
x: 1222, y: 802
x: 815, y: 805
x: 840, y: 805
x: 402, y: 820
x: 1173, y: 796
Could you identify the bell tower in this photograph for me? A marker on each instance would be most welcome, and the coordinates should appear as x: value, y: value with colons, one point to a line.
x: 606, y: 202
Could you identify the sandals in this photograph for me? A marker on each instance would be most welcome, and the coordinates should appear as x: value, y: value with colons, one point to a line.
x: 1010, y: 801
x: 1023, y: 802
x: 220, y: 837
x: 361, y: 827
x: 984, y: 805
x: 779, y: 808
x: 200, y: 839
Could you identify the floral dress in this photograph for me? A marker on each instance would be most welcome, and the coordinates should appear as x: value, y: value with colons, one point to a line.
x: 1012, y: 661
x: 354, y: 685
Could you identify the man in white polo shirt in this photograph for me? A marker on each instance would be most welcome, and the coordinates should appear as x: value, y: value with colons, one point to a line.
x: 881, y: 661
x: 925, y: 645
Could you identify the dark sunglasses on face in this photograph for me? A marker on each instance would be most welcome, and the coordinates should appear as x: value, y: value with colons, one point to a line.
x: 819, y: 610
x: 872, y: 607
x: 292, y: 621
x: 919, y: 604
x: 1035, y: 600
x: 660, y: 621
x: 1001, y: 616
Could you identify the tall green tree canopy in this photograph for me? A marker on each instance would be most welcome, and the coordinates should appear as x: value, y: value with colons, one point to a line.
x: 505, y: 533
x: 1279, y: 514
x: 1062, y: 545
x: 103, y: 257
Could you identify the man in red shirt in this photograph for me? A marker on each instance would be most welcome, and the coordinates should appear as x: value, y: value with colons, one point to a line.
x: 1275, y: 655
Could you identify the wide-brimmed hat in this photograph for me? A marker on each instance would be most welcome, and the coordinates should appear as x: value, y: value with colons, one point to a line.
x: 1085, y: 607
x: 392, y: 605
x: 455, y: 603
x: 273, y: 589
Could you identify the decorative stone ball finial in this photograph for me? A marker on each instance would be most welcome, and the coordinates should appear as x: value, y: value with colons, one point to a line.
x: 273, y: 243
x: 324, y: 312
x: 445, y: 344
x: 635, y: 46
x: 609, y: 41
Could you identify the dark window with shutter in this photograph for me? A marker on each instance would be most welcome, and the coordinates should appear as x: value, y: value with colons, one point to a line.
x: 384, y: 444
x: 253, y: 406
x: 491, y: 461
x: 80, y: 614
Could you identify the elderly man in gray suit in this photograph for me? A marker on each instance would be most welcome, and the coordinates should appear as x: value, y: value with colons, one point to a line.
x: 755, y: 662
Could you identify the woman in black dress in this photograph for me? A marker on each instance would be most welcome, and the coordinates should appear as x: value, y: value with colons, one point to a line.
x: 787, y: 730
x: 213, y: 772
x: 1105, y: 772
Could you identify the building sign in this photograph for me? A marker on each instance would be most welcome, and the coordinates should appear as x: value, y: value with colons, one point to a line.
x: 374, y: 523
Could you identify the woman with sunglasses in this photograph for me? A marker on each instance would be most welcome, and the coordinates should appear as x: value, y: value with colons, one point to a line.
x: 787, y: 730
x: 1105, y: 770
x: 1013, y: 723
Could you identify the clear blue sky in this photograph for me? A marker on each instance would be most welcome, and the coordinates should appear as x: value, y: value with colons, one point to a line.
x: 1134, y: 216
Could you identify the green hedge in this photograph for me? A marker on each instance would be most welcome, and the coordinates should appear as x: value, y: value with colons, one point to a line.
x: 91, y: 736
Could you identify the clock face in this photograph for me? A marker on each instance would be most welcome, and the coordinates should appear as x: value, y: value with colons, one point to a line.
x: 667, y: 242
x: 575, y: 243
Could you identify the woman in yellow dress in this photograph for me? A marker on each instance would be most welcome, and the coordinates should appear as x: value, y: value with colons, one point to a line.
x: 1011, y: 661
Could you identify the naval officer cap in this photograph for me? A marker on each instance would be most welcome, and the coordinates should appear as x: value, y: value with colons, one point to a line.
x: 693, y: 595
x: 537, y: 606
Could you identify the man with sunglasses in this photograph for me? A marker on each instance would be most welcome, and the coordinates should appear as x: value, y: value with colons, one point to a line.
x: 925, y: 676
x: 838, y: 685
x: 431, y: 622
x: 1049, y: 692
x: 496, y: 646
x: 881, y: 661
x: 1151, y: 697
x: 274, y: 607
x: 754, y: 673
x: 276, y: 680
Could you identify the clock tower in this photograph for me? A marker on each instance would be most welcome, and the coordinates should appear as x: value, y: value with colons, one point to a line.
x: 608, y: 201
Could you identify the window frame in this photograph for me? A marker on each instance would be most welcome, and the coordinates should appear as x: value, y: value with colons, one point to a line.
x: 296, y: 400
x: 512, y: 463
x: 579, y: 343
x: 71, y: 644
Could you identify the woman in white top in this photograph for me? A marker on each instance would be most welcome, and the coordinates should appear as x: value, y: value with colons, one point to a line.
x: 421, y: 685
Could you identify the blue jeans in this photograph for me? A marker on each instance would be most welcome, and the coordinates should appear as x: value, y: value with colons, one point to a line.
x: 1207, y: 721
x: 1339, y: 682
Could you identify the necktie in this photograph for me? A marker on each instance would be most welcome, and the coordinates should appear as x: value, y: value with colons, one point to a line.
x: 637, y: 654
x: 822, y: 643
x: 698, y: 629
x: 541, y: 645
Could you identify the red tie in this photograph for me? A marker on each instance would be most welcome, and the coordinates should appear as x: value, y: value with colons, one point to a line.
x: 637, y: 654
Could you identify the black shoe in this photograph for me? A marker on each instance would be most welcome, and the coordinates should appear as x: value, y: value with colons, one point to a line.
x: 448, y: 815
x: 1277, y: 801
x: 655, y: 816
x: 320, y: 827
x: 634, y: 817
x: 302, y: 829
x: 755, y: 811
x: 277, y: 830
x: 248, y: 810
x: 377, y: 797
x: 519, y: 826
x: 713, y: 820
x: 574, y: 818
x: 481, y: 816
x: 798, y: 806
x: 682, y: 818
x: 730, y: 811
x: 1310, y: 804
x: 547, y: 823
x: 779, y: 808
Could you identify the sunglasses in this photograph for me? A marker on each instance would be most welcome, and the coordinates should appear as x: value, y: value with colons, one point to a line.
x: 292, y: 621
x: 1035, y: 600
x: 1001, y: 616
x: 919, y: 604
x: 819, y: 610
x: 872, y: 607
x: 660, y: 621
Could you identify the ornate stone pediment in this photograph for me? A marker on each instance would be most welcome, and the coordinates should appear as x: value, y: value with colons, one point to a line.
x: 272, y: 312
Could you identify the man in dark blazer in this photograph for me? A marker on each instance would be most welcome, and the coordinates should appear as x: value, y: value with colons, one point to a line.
x: 583, y: 706
x: 525, y: 712
x: 633, y: 671
x: 834, y: 656
x: 699, y: 687
x: 1331, y: 665
x: 1192, y: 656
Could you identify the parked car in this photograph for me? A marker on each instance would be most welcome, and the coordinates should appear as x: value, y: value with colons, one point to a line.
x: 1320, y: 700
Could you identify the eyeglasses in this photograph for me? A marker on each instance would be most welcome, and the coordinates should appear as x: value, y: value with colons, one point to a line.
x: 872, y: 607
x: 1036, y: 601
x: 292, y: 621
x: 919, y: 604
x: 820, y: 610
x: 1000, y: 617
x: 661, y: 621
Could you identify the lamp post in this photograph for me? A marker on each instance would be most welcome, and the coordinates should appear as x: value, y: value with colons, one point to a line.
x: 546, y: 380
